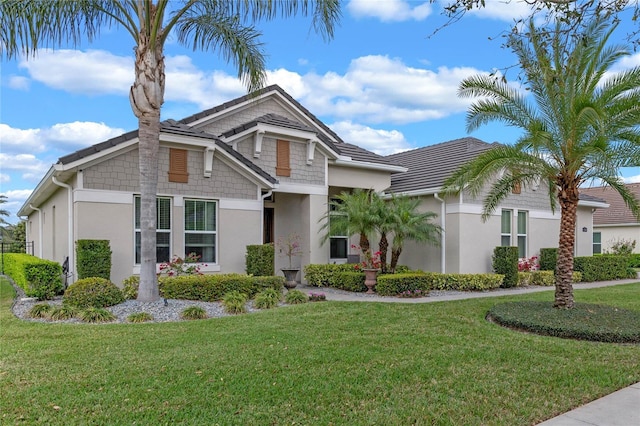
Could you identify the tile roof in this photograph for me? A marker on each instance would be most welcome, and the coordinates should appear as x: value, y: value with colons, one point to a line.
x: 430, y: 166
x: 618, y: 212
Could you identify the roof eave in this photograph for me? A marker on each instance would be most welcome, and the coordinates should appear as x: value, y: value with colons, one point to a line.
x: 348, y: 162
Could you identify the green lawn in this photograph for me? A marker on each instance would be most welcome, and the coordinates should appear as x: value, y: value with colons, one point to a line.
x: 317, y: 363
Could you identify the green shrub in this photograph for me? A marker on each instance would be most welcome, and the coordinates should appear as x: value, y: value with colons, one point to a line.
x: 395, y: 284
x: 95, y: 315
x: 212, y: 288
x: 585, y: 321
x: 63, y: 312
x: 349, y: 281
x: 294, y: 297
x: 38, y: 278
x: 259, y: 260
x: 130, y: 287
x: 93, y: 292
x: 267, y: 299
x: 93, y: 259
x: 602, y: 268
x: 140, y: 317
x: 193, y: 313
x: 505, y: 262
x: 634, y: 260
x: 323, y: 275
x: 542, y: 278
x: 622, y: 247
x: 548, y: 259
x: 40, y: 310
x: 234, y: 302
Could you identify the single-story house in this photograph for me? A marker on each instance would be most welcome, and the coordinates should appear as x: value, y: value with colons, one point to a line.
x: 524, y: 219
x: 616, y: 223
x: 258, y: 168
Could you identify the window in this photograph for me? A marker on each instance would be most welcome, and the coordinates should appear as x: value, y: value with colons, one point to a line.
x: 522, y: 234
x: 283, y: 166
x: 597, y: 243
x: 338, y: 243
x: 200, y: 229
x: 163, y: 230
x: 506, y: 228
x: 178, y: 165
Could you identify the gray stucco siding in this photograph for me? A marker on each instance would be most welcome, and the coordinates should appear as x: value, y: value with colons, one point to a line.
x: 246, y: 115
x: 528, y: 199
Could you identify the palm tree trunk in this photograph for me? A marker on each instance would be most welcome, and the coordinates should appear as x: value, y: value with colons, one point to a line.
x: 146, y: 97
x: 564, y: 270
x: 384, y: 247
x: 395, y: 255
x: 364, y: 244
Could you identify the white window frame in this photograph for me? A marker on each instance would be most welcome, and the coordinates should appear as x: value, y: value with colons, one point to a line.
x: 593, y: 246
x: 136, y: 229
x: 505, y: 234
x: 200, y: 232
x: 523, y: 236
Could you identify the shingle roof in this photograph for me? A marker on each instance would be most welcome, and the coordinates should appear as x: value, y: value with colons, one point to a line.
x: 431, y: 165
x: 360, y: 154
x: 618, y: 212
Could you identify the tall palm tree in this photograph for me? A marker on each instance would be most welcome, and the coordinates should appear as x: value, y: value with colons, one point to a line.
x: 226, y: 26
x: 582, y: 123
x: 3, y: 212
x: 407, y: 223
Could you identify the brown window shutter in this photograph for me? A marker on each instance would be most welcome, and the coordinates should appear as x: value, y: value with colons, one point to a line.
x: 283, y: 167
x: 517, y: 188
x: 178, y: 165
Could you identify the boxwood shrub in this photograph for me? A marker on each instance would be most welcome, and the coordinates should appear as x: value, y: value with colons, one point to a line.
x: 322, y: 275
x: 505, y: 262
x: 93, y: 292
x: 394, y: 284
x: 548, y: 259
x: 603, y: 268
x: 38, y: 278
x: 93, y: 259
x: 349, y: 281
x: 211, y: 288
x: 259, y: 260
x: 542, y: 278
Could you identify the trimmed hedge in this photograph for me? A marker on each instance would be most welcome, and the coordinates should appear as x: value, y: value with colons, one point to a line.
x: 394, y: 284
x: 548, y: 259
x: 542, y: 278
x: 323, y: 275
x: 603, y: 268
x: 349, y: 281
x: 212, y: 288
x: 505, y: 262
x: 259, y: 260
x: 95, y: 292
x: 93, y: 259
x: 37, y: 277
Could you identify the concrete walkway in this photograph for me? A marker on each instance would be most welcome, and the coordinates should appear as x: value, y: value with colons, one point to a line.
x: 621, y: 408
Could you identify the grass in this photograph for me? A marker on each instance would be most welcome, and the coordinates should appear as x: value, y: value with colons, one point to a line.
x: 316, y: 363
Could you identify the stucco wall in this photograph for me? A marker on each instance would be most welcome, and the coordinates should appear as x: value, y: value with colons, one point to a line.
x: 358, y: 178
x: 611, y: 234
x: 237, y: 229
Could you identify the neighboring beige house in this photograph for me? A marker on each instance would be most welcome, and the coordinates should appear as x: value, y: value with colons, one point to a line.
x: 246, y: 172
x: 616, y: 223
x: 262, y: 167
x: 524, y: 219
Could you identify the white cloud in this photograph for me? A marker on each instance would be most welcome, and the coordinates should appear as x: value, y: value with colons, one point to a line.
x: 89, y: 72
x: 389, y: 10
x: 20, y: 140
x: 19, y: 82
x: 15, y: 200
x: 4, y: 178
x: 632, y: 179
x: 26, y: 165
x: 503, y: 10
x: 383, y: 142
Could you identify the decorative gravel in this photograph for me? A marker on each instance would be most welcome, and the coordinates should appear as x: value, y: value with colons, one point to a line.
x: 160, y: 311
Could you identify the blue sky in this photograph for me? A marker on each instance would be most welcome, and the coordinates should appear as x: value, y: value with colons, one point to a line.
x: 382, y: 83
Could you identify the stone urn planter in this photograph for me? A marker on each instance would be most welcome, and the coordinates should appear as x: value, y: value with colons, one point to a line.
x: 370, y: 279
x: 290, y: 277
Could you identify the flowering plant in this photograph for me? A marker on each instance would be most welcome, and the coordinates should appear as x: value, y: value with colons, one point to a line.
x: 412, y: 293
x: 179, y: 266
x: 317, y: 297
x: 289, y: 246
x: 528, y: 264
x: 371, y: 260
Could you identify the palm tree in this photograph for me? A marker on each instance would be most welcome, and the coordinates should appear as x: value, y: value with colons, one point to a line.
x: 353, y: 213
x: 582, y: 124
x: 405, y: 222
x: 3, y: 213
x: 210, y: 25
